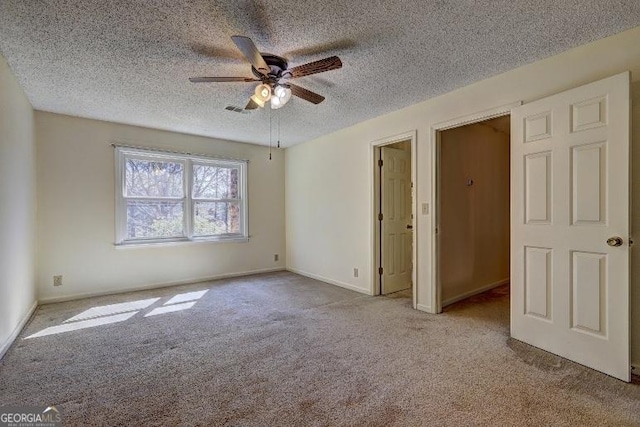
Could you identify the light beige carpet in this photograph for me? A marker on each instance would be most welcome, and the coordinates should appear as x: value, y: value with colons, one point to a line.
x: 280, y: 349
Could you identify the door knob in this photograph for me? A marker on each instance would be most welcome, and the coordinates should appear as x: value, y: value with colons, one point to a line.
x: 409, y: 227
x: 614, y: 241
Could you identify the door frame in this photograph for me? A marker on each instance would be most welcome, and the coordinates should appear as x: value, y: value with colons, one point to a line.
x: 436, y: 129
x: 374, y: 156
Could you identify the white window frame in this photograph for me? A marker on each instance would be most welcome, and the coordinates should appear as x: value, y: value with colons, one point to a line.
x: 122, y: 153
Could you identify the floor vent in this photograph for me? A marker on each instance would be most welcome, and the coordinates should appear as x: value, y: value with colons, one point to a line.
x: 236, y: 109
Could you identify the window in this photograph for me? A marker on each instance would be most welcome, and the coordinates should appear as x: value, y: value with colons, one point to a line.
x: 166, y: 197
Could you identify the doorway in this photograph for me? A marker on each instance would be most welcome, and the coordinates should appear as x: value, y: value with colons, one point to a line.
x: 394, y: 228
x: 570, y: 216
x: 473, y: 200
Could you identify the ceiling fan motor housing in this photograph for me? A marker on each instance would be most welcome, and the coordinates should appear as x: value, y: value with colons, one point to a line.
x: 277, y: 66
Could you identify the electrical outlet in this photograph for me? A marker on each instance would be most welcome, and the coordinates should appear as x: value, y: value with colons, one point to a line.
x: 57, y: 280
x: 355, y: 272
x: 276, y: 257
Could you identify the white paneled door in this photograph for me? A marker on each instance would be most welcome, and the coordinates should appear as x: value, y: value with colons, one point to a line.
x: 396, y: 231
x: 570, y: 224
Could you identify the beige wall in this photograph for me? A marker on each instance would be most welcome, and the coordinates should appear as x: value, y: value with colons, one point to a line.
x: 473, y: 231
x: 76, y: 212
x: 329, y: 199
x: 17, y: 207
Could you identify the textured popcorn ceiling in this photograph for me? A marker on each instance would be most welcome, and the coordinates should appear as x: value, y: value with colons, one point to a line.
x: 128, y: 61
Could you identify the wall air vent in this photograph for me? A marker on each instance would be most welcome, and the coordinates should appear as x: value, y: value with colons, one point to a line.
x: 236, y: 109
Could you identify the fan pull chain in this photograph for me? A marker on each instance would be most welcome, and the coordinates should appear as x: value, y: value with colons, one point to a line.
x: 269, y: 133
x: 278, y: 129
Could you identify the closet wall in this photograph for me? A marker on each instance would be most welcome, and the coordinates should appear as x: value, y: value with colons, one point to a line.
x: 474, y: 217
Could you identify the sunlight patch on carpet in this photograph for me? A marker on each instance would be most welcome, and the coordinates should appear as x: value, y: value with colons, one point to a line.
x: 91, y: 323
x: 108, y: 310
x: 114, y: 313
x: 170, y: 308
x: 189, y: 296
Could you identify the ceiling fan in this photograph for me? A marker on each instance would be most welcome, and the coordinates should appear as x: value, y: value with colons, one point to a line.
x: 272, y: 72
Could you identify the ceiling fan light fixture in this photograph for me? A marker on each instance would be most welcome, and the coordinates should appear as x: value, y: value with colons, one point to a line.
x: 263, y: 92
x: 279, y: 91
x: 276, y: 102
x: 281, y: 96
x: 257, y: 100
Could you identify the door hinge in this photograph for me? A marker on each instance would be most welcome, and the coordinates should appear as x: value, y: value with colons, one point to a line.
x: 380, y: 270
x: 380, y: 216
x: 630, y: 242
x: 380, y: 162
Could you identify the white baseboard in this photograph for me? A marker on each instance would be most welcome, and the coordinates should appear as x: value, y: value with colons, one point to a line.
x: 7, y: 344
x: 475, y: 292
x: 72, y: 297
x: 330, y: 281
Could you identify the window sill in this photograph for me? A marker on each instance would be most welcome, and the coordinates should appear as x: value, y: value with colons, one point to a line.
x: 177, y: 242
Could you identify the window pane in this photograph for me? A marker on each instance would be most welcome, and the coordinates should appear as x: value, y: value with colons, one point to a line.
x: 215, y: 182
x: 147, y: 178
x: 211, y: 218
x: 154, y: 219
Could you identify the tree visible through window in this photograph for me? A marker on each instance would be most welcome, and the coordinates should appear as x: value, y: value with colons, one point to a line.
x: 216, y: 205
x: 155, y: 199
x: 172, y: 197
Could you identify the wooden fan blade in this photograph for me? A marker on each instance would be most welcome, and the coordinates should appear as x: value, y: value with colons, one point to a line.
x: 221, y: 79
x: 250, y: 51
x: 305, y: 94
x: 251, y: 105
x: 315, y: 67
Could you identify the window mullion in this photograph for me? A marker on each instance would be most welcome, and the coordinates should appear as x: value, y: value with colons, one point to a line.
x: 152, y: 199
x: 199, y: 199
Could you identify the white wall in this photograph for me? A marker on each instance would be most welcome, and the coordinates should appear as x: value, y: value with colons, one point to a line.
x: 76, y: 212
x: 473, y: 230
x: 328, y: 194
x: 329, y: 229
x: 17, y: 207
